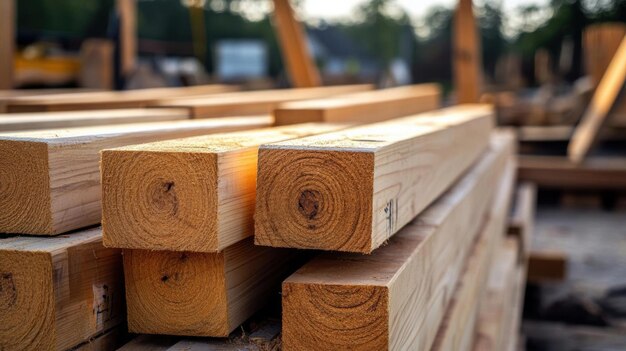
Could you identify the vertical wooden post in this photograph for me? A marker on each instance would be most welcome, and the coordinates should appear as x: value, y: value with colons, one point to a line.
x: 467, y: 57
x: 127, y: 11
x: 7, y: 43
x: 302, y: 70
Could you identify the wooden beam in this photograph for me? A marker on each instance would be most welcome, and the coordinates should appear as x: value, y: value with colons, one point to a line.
x: 547, y: 266
x: 127, y: 12
x: 522, y: 221
x: 109, y: 99
x: 256, y: 102
x: 495, y: 319
x: 601, y: 103
x: 194, y: 194
x: 396, y: 297
x: 6, y: 95
x: 201, y: 294
x: 467, y: 56
x: 51, y: 178
x: 294, y: 47
x: 457, y: 331
x: 561, y: 173
x: 56, y: 293
x: 600, y: 42
x: 364, y: 107
x: 352, y: 190
x: 71, y: 119
x: 7, y: 43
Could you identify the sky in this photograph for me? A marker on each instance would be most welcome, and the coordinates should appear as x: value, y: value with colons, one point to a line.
x: 337, y: 9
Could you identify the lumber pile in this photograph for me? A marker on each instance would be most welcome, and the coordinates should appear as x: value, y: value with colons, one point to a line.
x: 201, y: 220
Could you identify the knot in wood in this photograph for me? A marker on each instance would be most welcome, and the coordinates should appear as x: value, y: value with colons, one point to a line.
x: 309, y: 203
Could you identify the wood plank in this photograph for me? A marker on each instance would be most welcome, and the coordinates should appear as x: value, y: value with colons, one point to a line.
x: 7, y: 43
x: 255, y: 102
x: 51, y: 120
x: 201, y: 294
x: 522, y: 221
x: 559, y: 172
x: 467, y: 57
x: 127, y: 12
x: 294, y: 47
x: 194, y: 194
x: 352, y: 190
x: 364, y: 107
x: 51, y: 178
x: 457, y: 331
x: 109, y: 99
x: 601, y: 103
x: 56, y: 293
x: 547, y: 266
x: 495, y: 318
x: 396, y: 297
x: 600, y: 42
x: 6, y: 95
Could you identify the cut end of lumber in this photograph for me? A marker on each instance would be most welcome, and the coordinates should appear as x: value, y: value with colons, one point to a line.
x: 158, y: 200
x: 354, y: 315
x: 298, y: 195
x: 155, y: 282
x: 27, y: 307
x: 25, y: 204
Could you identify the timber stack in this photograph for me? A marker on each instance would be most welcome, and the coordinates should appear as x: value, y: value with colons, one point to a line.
x: 376, y: 216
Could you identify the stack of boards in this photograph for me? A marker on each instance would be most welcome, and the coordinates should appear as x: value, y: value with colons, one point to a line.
x: 387, y: 235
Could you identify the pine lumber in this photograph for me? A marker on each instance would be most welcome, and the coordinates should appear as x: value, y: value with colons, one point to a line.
x: 254, y: 102
x: 50, y: 179
x: 467, y: 57
x: 600, y: 42
x: 109, y: 99
x: 70, y: 119
x: 201, y: 294
x: 396, y: 297
x: 522, y: 221
x: 352, y: 190
x: 364, y: 107
x: 56, y: 293
x: 193, y: 194
x: 294, y: 47
x: 457, y: 332
x: 497, y: 307
x: 601, y: 103
x: 127, y: 12
x: 560, y: 172
x: 7, y: 43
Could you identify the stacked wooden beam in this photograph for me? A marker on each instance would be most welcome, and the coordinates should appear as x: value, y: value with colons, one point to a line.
x: 410, y: 212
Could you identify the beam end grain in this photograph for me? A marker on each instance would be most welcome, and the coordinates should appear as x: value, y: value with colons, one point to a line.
x: 25, y: 204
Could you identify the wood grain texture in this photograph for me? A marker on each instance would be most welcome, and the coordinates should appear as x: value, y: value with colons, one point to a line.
x: 457, y: 331
x: 294, y: 47
x: 193, y: 194
x: 255, y: 102
x: 396, y: 297
x: 7, y: 43
x: 559, y: 172
x: 352, y: 190
x: 201, y: 294
x: 51, y: 120
x: 497, y: 307
x: 364, y: 107
x: 522, y: 221
x: 603, y: 99
x: 99, y: 100
x: 56, y: 293
x: 467, y: 57
x: 50, y: 180
x: 600, y: 42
